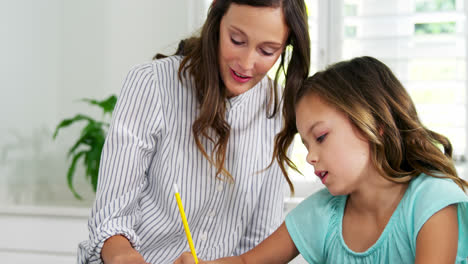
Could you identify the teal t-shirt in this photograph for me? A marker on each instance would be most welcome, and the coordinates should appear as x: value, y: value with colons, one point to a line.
x: 315, y: 225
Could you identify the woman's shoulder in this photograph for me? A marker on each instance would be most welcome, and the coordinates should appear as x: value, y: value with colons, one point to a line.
x: 165, y: 65
x: 158, y: 70
x: 173, y: 60
x: 169, y: 65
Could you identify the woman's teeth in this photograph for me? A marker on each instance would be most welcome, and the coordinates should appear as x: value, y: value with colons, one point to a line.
x: 242, y: 76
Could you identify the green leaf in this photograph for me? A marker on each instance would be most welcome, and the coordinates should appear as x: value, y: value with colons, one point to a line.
x: 91, y: 134
x: 92, y: 161
x: 68, y: 122
x: 107, y: 105
x: 92, y: 137
x: 70, y: 173
x: 81, y: 141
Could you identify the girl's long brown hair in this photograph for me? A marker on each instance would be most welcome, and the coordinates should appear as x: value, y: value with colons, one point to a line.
x: 201, y: 62
x: 375, y: 101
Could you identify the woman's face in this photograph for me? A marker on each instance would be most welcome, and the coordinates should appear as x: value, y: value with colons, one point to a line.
x: 251, y: 40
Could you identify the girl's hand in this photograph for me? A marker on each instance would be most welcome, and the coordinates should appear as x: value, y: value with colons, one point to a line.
x: 187, y: 258
x: 118, y: 250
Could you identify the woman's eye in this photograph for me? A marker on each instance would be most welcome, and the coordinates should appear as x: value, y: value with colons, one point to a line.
x: 266, y: 53
x: 236, y: 42
x: 322, y: 138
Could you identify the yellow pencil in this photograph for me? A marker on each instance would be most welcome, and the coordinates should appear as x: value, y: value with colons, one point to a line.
x: 184, y: 221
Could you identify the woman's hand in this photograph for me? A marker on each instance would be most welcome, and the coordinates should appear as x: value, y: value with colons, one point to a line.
x: 118, y: 250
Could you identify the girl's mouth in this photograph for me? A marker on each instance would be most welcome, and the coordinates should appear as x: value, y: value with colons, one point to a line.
x: 322, y: 175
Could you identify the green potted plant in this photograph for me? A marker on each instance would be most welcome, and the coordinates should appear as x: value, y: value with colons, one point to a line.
x: 89, y: 145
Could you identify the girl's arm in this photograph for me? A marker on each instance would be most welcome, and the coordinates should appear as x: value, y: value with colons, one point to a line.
x: 437, y: 240
x: 277, y: 248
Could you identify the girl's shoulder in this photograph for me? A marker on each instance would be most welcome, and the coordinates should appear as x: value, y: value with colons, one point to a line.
x: 320, y: 208
x: 320, y: 199
x: 427, y: 195
x: 425, y: 187
x: 312, y: 221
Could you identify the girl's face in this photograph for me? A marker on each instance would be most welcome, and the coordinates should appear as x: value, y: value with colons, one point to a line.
x: 250, y: 41
x: 338, y: 151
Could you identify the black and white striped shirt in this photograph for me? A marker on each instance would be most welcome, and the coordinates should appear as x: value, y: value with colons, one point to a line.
x: 150, y: 146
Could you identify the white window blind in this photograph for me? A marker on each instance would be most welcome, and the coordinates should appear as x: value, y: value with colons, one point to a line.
x: 307, y: 183
x: 423, y: 42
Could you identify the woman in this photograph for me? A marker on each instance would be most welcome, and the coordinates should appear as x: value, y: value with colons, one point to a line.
x: 204, y: 119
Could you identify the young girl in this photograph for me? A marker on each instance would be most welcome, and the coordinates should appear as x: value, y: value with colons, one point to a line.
x: 204, y: 119
x: 392, y: 195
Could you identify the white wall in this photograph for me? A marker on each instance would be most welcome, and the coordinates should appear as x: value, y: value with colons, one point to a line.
x: 55, y: 52
x: 41, y: 235
x: 48, y: 235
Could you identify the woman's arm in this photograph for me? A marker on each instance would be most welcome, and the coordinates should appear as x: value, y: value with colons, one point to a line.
x: 437, y: 241
x: 126, y: 155
x: 117, y: 249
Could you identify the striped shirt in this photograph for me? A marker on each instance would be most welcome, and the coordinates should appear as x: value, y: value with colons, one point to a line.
x: 150, y: 147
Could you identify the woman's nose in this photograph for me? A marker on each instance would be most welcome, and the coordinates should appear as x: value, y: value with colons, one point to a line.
x: 247, y: 61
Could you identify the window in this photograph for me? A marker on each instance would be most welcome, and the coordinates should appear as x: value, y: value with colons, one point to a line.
x: 422, y: 41
x: 307, y: 182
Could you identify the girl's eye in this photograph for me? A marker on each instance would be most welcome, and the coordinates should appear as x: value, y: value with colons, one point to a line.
x: 236, y: 42
x: 322, y: 138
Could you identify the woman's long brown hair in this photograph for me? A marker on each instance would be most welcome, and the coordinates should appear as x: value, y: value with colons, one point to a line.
x: 377, y: 104
x: 201, y: 62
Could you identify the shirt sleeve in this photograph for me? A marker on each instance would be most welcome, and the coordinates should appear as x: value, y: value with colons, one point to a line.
x: 136, y: 125
x: 429, y: 196
x: 267, y: 215
x: 308, y: 224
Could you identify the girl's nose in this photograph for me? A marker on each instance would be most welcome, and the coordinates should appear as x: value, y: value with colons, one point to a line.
x: 312, y: 158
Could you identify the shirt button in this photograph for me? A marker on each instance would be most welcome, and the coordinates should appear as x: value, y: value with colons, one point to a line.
x: 203, y: 236
x: 219, y: 188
